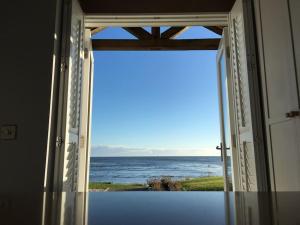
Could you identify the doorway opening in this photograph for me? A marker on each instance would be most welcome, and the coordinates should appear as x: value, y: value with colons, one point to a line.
x: 245, y: 170
x: 156, y: 120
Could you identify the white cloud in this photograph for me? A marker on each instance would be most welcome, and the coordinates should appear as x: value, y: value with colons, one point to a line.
x: 110, y: 150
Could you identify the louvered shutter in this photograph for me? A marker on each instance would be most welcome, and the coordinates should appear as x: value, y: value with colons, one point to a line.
x: 66, y: 176
x: 73, y: 100
x: 241, y: 69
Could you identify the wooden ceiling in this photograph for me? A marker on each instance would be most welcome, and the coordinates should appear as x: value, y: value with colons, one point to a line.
x: 155, y: 6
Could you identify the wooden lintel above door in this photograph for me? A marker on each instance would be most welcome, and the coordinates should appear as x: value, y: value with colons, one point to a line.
x: 155, y: 6
x: 159, y: 44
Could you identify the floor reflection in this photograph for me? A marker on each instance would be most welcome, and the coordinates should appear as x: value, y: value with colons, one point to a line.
x: 161, y: 208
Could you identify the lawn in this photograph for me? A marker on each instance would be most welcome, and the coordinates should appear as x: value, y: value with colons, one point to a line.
x: 203, y: 184
x: 194, y: 184
x: 117, y: 187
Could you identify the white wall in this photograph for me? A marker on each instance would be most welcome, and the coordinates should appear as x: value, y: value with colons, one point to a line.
x: 26, y: 58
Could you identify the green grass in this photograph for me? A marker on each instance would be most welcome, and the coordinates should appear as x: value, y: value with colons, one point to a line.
x: 117, y: 187
x: 203, y: 184
x: 194, y: 184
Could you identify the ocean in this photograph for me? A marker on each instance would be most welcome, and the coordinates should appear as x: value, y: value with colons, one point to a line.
x: 139, y: 169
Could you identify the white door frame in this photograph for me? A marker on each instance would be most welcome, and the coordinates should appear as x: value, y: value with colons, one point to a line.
x: 156, y: 20
x: 224, y: 50
x: 85, y: 122
x: 200, y: 20
x: 144, y: 20
x: 61, y: 92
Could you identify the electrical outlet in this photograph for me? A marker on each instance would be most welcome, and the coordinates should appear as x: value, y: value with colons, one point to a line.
x: 8, y: 132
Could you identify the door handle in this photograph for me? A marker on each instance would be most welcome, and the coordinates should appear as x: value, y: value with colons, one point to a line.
x: 221, y: 149
x: 292, y: 114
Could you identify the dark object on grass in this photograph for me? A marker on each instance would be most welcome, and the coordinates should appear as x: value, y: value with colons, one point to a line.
x: 164, y: 184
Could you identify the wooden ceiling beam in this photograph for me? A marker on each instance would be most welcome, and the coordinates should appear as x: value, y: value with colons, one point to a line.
x: 155, y: 32
x: 216, y: 29
x: 138, y: 32
x: 96, y: 30
x: 173, y: 32
x: 154, y: 44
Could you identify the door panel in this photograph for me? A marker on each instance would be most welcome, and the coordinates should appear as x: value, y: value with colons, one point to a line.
x: 69, y: 113
x: 287, y: 157
x: 75, y: 71
x: 226, y: 110
x: 279, y: 63
x: 243, y: 111
x: 280, y: 87
x: 85, y: 119
x: 226, y: 121
x: 66, y: 174
x: 295, y: 18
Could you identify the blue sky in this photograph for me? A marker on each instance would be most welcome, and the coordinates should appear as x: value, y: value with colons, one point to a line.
x: 155, y: 103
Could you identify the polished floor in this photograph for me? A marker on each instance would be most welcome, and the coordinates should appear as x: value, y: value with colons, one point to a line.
x: 150, y: 208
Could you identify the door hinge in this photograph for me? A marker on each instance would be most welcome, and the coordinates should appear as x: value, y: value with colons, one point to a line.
x: 81, y: 142
x: 63, y: 67
x: 228, y: 52
x: 86, y: 53
x: 59, y: 141
x: 234, y: 144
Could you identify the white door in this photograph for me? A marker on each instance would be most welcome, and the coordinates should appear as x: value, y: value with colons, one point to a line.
x: 66, y: 174
x: 74, y: 77
x: 227, y: 131
x: 73, y: 117
x: 249, y: 132
x: 280, y: 47
x: 85, y: 132
x: 85, y: 115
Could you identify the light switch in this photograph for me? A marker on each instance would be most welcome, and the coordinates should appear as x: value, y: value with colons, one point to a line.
x: 8, y: 132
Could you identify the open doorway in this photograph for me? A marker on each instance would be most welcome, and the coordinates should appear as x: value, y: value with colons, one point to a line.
x: 155, y: 120
x: 242, y: 170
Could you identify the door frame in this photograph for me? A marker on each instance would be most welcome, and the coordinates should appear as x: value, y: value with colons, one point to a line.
x: 144, y: 20
x: 58, y: 98
x: 224, y: 50
x: 154, y: 20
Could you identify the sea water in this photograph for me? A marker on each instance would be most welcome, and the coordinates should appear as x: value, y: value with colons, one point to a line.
x: 140, y: 169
